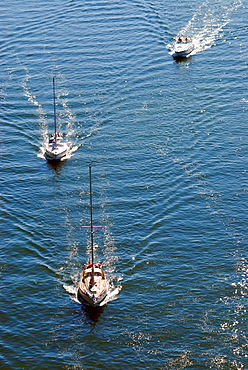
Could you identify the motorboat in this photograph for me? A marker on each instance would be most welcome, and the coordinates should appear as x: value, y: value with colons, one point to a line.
x: 182, y: 47
x: 93, y: 285
x: 56, y: 148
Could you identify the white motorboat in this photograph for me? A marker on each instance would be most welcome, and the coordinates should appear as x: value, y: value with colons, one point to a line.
x: 93, y: 285
x: 56, y: 148
x: 182, y: 47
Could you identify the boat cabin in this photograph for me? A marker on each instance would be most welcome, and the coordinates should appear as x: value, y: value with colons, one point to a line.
x: 98, y: 272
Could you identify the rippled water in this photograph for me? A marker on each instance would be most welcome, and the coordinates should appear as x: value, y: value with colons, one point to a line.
x: 168, y: 143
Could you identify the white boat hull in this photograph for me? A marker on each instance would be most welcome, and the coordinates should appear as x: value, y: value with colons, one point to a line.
x: 56, y: 151
x: 182, y: 50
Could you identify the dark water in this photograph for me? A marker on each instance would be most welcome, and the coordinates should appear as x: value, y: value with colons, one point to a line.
x: 168, y: 142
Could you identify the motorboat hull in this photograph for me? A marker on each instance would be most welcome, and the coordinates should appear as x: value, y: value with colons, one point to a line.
x: 182, y: 50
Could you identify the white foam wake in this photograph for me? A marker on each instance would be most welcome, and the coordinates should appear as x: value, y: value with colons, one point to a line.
x: 111, y: 295
x: 207, y: 24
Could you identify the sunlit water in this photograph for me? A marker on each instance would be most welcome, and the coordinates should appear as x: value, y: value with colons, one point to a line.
x: 168, y: 144
x: 207, y: 24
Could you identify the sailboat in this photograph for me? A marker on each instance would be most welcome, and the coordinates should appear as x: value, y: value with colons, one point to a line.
x: 93, y: 285
x: 56, y: 148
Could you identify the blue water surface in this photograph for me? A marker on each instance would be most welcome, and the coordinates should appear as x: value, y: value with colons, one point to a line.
x: 168, y: 145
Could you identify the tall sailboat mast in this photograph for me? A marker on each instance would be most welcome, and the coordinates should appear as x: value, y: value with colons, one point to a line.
x: 54, y: 110
x: 56, y: 149
x: 91, y: 219
x: 93, y: 286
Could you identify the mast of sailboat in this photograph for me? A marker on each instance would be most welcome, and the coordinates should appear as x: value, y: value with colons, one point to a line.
x: 54, y: 112
x: 91, y: 224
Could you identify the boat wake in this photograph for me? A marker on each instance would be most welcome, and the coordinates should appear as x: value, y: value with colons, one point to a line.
x: 66, y: 121
x: 207, y: 24
x: 112, y: 293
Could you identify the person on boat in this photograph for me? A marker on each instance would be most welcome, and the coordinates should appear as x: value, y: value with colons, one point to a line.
x: 179, y: 39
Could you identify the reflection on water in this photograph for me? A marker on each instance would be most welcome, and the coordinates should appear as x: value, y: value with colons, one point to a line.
x: 236, y: 326
x: 91, y: 314
x: 185, y: 60
x: 56, y: 165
